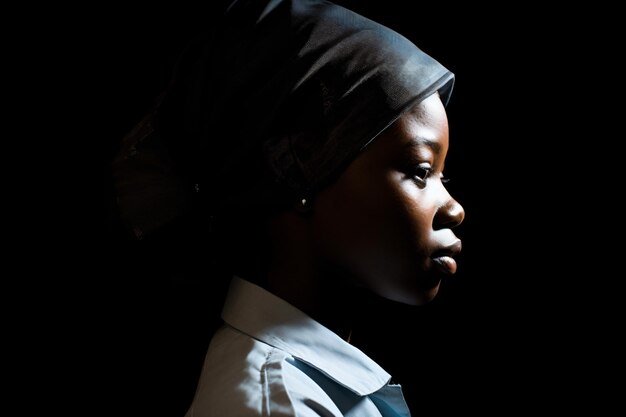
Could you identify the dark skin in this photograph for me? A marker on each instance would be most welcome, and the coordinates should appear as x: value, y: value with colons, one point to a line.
x: 384, y: 226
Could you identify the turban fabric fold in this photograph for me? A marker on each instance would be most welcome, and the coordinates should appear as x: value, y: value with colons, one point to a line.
x: 277, y: 99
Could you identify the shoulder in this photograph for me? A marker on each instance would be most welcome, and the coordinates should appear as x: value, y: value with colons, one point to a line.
x: 245, y: 377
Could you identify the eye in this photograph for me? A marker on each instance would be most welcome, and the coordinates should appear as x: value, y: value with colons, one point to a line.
x: 421, y: 174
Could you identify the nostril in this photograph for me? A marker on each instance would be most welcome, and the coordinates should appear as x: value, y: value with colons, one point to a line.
x: 450, y: 215
x: 457, y: 215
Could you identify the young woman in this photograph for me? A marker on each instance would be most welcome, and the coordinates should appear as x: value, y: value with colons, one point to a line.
x: 315, y: 139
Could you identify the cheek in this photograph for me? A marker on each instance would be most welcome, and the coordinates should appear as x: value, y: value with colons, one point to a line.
x: 396, y: 264
x: 374, y: 226
x: 345, y: 216
x: 350, y: 214
x: 407, y: 221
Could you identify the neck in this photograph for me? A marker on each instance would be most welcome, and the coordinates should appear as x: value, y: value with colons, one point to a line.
x: 325, y: 294
x: 298, y: 273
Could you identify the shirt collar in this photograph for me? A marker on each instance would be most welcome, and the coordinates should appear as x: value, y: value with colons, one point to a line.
x: 260, y: 314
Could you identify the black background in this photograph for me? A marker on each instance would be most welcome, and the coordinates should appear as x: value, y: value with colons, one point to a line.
x: 130, y: 321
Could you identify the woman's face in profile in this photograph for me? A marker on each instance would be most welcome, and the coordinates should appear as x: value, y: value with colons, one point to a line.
x: 388, y: 217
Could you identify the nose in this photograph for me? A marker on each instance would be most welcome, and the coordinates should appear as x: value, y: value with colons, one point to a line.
x: 449, y: 215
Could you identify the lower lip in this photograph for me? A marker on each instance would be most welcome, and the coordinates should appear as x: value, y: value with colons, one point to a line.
x: 445, y: 264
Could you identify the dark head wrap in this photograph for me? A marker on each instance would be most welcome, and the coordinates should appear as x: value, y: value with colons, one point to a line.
x: 283, y: 94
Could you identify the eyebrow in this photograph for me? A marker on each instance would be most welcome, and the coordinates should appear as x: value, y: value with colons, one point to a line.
x: 421, y: 141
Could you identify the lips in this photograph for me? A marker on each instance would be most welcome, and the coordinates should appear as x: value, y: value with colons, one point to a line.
x: 443, y: 258
x: 445, y: 264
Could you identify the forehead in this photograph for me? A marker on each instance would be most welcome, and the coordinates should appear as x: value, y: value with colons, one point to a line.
x: 426, y: 124
x: 420, y: 134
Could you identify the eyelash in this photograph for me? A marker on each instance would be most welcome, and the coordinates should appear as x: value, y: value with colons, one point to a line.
x: 421, y: 181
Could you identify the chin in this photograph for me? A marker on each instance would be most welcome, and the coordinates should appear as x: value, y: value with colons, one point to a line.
x: 414, y: 296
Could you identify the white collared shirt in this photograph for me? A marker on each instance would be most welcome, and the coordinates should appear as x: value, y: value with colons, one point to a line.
x: 271, y: 359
